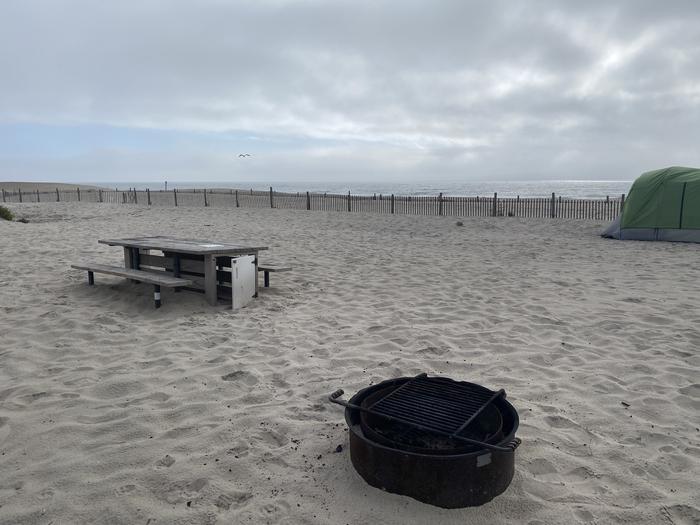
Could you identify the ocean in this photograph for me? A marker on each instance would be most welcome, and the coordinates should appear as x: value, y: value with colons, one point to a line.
x: 578, y: 189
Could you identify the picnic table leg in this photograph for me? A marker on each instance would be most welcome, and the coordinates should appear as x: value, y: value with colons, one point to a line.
x: 128, y: 260
x: 210, y: 279
x: 91, y: 278
x: 267, y: 279
x: 176, y: 269
x: 135, y: 261
x: 156, y: 294
x: 256, y: 275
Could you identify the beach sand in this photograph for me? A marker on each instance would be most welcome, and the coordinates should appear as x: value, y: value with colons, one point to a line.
x: 114, y: 412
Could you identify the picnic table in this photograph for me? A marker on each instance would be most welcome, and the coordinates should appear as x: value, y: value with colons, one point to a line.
x: 200, y: 261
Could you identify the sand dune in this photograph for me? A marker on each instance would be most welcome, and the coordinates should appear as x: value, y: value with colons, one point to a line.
x: 113, y: 412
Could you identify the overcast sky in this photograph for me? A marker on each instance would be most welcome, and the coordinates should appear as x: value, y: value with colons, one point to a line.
x: 148, y: 90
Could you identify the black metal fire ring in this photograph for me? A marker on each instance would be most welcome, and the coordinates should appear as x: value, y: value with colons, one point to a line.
x: 449, y: 480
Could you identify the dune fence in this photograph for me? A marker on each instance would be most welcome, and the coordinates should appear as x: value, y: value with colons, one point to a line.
x: 439, y: 205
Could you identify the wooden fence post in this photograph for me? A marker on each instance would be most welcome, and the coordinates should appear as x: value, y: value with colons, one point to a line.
x: 349, y: 201
x: 148, y: 193
x: 272, y: 203
x: 392, y: 203
x: 123, y: 197
x: 559, y: 204
x: 99, y: 195
x: 175, y: 195
x: 3, y: 195
x: 78, y: 189
x: 37, y: 195
x: 308, y: 201
x: 20, y: 194
x: 552, y: 209
x: 136, y: 201
x: 440, y: 204
x: 205, y: 198
x: 58, y: 196
x: 237, y: 204
x: 622, y: 203
x: 495, y: 201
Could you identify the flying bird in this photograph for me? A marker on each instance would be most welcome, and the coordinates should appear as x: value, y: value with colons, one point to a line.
x: 245, y: 155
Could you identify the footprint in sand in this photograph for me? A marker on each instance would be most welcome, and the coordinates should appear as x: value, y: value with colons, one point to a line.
x: 180, y: 491
x: 691, y: 390
x: 36, y: 395
x: 633, y: 300
x: 279, y: 381
x: 151, y: 364
x: 681, y: 514
x: 540, y: 466
x: 433, y: 351
x: 584, y: 515
x: 560, y: 422
x: 45, y: 495
x: 241, y: 376
x: 125, y: 490
x: 272, y: 438
x: 240, y: 449
x: 165, y: 461
x: 581, y: 474
x: 275, y: 510
x: 179, y: 432
x: 657, y: 320
x: 160, y: 397
x: 215, y: 340
x: 235, y: 499
x: 4, y: 428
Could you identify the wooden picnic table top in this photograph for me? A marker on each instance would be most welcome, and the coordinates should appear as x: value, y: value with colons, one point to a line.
x: 190, y: 246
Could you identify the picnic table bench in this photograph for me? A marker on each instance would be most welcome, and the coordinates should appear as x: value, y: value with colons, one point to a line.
x: 267, y: 268
x: 156, y: 279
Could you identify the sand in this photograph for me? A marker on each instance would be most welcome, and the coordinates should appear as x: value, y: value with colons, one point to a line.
x: 114, y: 412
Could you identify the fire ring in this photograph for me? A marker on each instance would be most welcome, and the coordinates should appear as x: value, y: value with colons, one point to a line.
x: 443, y: 442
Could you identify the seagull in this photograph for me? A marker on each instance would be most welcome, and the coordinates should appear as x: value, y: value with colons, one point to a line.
x: 245, y: 155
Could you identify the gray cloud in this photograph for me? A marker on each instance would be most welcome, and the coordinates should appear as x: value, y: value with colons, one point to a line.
x: 409, y: 89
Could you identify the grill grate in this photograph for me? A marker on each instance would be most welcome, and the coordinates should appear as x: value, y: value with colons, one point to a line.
x: 441, y: 405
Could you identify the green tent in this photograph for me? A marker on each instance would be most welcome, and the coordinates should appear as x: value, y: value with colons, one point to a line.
x: 663, y: 205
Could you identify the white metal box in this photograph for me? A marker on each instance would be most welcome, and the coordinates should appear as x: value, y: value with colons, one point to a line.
x: 242, y: 280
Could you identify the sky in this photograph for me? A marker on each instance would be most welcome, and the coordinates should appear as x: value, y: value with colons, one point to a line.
x: 374, y: 90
